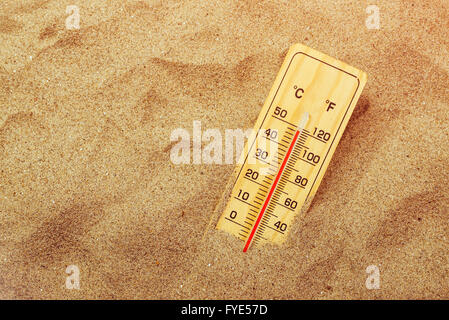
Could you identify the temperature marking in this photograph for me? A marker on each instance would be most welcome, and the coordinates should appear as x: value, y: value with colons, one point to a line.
x: 301, y: 126
x: 295, y: 136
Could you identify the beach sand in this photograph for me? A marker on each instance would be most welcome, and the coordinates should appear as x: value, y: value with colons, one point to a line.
x: 86, y: 178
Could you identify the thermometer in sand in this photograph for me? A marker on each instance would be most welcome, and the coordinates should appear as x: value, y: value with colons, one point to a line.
x: 293, y: 141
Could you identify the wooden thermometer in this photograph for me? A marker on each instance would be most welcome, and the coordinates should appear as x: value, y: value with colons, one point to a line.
x: 292, y: 144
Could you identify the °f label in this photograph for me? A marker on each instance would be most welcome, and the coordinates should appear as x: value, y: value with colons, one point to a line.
x: 292, y: 144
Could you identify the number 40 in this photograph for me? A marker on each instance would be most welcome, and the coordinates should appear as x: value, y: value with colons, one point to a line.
x: 281, y: 226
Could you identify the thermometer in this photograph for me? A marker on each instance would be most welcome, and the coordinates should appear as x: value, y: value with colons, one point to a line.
x: 294, y: 138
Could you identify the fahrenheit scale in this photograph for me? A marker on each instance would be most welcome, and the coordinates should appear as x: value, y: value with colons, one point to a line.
x: 292, y: 143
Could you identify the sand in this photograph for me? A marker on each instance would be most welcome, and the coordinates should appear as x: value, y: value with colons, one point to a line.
x: 85, y: 171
